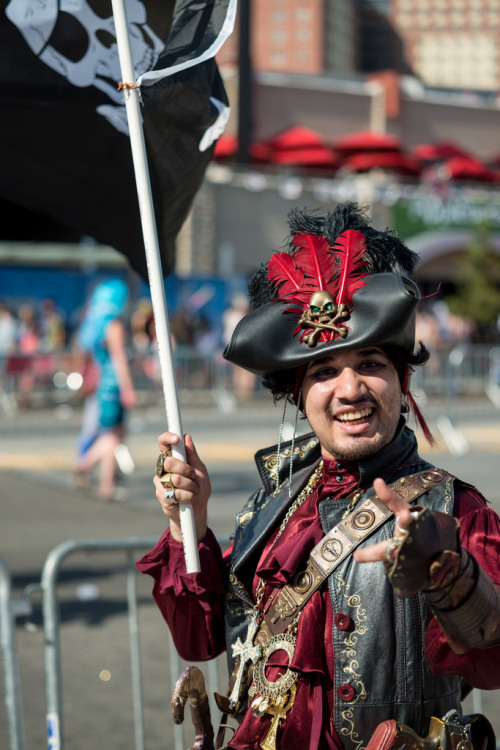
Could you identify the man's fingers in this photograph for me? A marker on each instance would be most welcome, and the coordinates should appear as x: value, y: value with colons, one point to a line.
x: 399, y: 507
x: 192, y: 456
x: 388, y: 496
x: 374, y: 553
x: 167, y: 439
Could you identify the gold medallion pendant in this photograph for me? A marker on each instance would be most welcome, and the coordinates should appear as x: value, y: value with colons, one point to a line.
x: 278, y: 711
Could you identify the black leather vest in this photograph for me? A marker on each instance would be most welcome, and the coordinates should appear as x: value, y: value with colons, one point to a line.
x: 380, y: 667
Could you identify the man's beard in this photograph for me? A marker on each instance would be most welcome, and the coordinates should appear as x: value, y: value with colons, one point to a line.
x: 357, y: 448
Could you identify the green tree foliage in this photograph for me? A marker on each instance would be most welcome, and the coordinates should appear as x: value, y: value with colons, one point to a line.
x: 477, y: 294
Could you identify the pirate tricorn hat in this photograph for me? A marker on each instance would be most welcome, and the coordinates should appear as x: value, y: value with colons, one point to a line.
x: 340, y: 285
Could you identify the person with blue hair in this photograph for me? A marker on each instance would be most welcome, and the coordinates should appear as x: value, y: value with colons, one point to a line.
x: 103, y: 335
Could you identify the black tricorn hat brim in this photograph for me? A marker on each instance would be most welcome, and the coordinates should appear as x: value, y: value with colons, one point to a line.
x: 383, y: 315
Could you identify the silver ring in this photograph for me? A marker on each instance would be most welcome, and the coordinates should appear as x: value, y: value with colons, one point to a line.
x: 398, y: 527
x: 170, y: 495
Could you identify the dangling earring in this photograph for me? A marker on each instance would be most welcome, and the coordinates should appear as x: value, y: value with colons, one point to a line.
x: 292, y: 447
x: 278, y: 453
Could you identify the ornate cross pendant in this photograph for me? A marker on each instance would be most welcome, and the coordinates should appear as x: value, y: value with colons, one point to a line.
x: 245, y: 652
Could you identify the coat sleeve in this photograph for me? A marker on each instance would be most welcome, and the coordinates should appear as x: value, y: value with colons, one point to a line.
x: 480, y: 535
x: 191, y: 604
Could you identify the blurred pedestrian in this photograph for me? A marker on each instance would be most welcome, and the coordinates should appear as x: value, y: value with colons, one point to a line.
x: 52, y: 327
x: 7, y: 347
x: 28, y: 344
x: 143, y: 337
x: 103, y: 335
x: 243, y: 380
x: 7, y: 332
x: 28, y: 332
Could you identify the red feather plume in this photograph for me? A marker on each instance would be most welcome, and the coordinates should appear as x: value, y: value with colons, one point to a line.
x: 316, y: 260
x: 350, y: 246
x: 283, y: 270
x: 315, y: 266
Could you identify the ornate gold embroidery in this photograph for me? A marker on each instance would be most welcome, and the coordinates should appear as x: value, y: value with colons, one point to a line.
x: 349, y: 731
x: 237, y: 585
x: 299, y: 451
x: 349, y: 652
x: 447, y: 495
x: 239, y: 610
x: 245, y: 518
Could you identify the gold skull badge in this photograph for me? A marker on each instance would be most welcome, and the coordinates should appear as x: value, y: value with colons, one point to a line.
x: 322, y: 314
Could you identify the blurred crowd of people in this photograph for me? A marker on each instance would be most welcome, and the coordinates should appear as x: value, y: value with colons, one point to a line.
x: 112, y: 344
x: 33, y: 337
x: 439, y: 328
x: 29, y: 330
x: 35, y: 340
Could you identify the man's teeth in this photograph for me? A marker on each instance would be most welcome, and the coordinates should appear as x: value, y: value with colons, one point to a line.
x: 354, y: 415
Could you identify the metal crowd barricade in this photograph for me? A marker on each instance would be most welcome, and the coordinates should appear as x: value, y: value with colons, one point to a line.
x: 49, y: 580
x: 12, y: 689
x: 129, y: 545
x: 460, y: 370
x: 493, y: 388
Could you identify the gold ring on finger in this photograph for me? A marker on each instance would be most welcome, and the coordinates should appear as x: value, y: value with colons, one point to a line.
x: 166, y: 480
x: 159, y: 470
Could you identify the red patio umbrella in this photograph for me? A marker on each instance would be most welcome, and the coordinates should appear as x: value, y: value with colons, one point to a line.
x: 465, y: 168
x: 226, y: 150
x: 297, y: 137
x: 366, y: 140
x: 317, y: 158
x: 226, y: 147
x: 394, y: 161
x: 429, y: 153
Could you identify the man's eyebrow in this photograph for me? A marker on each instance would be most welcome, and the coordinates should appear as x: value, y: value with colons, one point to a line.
x: 368, y: 352
x: 321, y: 360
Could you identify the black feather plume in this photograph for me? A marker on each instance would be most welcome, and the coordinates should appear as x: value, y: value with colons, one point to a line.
x: 385, y: 252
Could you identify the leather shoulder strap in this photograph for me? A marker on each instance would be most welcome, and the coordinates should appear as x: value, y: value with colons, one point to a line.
x: 285, y: 604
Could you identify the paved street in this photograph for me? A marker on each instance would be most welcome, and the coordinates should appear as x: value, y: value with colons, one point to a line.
x: 41, y: 509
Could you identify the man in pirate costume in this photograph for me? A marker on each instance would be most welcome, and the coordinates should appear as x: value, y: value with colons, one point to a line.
x: 359, y: 598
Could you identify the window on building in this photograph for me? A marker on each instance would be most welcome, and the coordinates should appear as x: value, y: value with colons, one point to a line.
x: 279, y: 37
x: 303, y: 35
x: 278, y: 58
x: 303, y: 14
x: 279, y: 16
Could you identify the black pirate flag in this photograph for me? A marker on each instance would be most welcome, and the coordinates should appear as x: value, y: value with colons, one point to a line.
x: 64, y: 143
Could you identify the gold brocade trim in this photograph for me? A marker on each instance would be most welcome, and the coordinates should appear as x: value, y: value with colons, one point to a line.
x: 349, y: 731
x: 236, y: 583
x: 359, y: 618
x: 237, y: 609
x: 271, y: 460
x: 245, y: 518
x: 448, y: 495
x: 270, y: 465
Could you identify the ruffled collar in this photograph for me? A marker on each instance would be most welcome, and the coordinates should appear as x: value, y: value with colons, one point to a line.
x: 282, y: 559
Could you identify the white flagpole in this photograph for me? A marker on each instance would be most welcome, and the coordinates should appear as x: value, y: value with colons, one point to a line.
x: 132, y: 102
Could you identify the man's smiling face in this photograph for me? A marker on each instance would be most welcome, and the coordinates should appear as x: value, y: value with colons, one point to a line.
x: 353, y: 402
